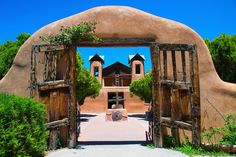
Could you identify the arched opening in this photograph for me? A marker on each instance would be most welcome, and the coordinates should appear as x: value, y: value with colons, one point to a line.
x: 175, y: 88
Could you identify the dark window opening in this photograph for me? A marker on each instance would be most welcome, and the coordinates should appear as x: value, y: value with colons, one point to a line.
x: 137, y: 69
x: 117, y: 71
x: 112, y: 99
x: 96, y: 71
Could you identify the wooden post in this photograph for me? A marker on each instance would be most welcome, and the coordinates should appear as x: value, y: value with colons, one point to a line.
x: 174, y: 64
x: 53, y: 139
x: 195, y: 98
x: 165, y: 64
x: 155, y: 56
x: 183, y: 65
x: 72, y: 105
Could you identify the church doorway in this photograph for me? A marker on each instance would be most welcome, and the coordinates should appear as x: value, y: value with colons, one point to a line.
x: 114, y: 97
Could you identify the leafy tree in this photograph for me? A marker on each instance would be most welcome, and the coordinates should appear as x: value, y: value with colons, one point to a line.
x: 142, y: 88
x: 223, y: 51
x: 86, y: 85
x: 8, y: 51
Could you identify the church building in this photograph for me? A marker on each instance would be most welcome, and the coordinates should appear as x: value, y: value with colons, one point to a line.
x: 115, y: 80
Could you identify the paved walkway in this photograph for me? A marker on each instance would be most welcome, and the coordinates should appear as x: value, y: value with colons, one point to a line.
x: 100, y: 138
x: 115, y: 151
x: 94, y: 128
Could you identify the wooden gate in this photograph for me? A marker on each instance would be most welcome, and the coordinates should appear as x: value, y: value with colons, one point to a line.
x: 176, y: 101
x: 53, y: 83
x: 175, y: 104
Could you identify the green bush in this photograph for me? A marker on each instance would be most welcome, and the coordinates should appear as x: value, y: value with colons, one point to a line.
x: 169, y: 141
x: 227, y: 132
x: 22, y: 127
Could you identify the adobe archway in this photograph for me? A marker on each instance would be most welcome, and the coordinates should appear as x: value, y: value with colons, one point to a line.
x: 126, y: 22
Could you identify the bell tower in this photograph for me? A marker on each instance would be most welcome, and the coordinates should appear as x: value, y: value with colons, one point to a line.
x: 96, y: 66
x: 137, y: 66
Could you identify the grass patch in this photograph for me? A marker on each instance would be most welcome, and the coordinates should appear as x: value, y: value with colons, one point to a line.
x: 151, y: 146
x: 191, y: 151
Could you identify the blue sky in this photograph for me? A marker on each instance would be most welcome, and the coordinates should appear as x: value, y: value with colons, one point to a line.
x: 208, y: 18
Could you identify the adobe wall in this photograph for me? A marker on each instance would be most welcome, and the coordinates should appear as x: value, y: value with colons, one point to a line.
x: 133, y: 104
x: 134, y: 75
x: 100, y: 67
x: 126, y: 22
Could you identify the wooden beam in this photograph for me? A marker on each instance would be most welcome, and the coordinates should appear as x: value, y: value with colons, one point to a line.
x: 57, y: 123
x: 50, y: 82
x: 174, y: 65
x: 195, y: 99
x: 53, y: 135
x: 115, y: 42
x: 165, y: 64
x: 176, y: 84
x: 115, y: 100
x: 176, y: 47
x: 183, y: 65
x: 183, y: 125
x: 47, y: 48
x: 53, y: 85
x: 72, y: 104
x: 156, y: 108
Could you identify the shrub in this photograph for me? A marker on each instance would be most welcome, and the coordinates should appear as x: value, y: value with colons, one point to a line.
x: 22, y: 127
x: 74, y: 34
x: 227, y: 132
x: 169, y: 141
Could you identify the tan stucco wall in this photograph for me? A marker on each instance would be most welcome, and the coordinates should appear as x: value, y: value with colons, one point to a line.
x: 100, y: 67
x: 133, y: 104
x: 128, y: 22
x: 134, y: 75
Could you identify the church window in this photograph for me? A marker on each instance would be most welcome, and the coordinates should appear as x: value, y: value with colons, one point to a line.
x: 137, y: 69
x: 96, y: 71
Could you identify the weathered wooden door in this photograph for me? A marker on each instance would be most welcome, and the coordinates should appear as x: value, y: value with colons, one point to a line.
x: 176, y: 100
x: 53, y: 83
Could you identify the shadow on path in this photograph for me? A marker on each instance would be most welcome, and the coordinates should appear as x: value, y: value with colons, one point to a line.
x: 143, y: 143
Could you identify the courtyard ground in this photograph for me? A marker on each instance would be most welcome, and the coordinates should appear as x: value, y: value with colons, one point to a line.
x: 100, y: 138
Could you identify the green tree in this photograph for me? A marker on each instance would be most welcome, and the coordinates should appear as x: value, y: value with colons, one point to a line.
x: 86, y: 85
x: 223, y: 51
x: 8, y: 51
x: 142, y: 88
